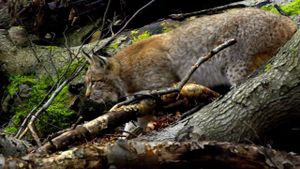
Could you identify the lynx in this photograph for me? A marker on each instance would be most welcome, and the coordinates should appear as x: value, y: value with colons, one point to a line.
x: 163, y: 60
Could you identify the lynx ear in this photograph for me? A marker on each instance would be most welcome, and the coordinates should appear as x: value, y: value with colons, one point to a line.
x: 95, y: 60
x: 99, y: 61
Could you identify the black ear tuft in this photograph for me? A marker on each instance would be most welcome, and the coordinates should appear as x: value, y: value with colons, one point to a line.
x: 99, y: 61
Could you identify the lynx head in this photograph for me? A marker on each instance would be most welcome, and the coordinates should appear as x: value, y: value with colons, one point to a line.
x: 103, y: 85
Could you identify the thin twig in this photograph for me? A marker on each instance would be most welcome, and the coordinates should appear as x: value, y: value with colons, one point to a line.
x: 32, y: 111
x: 110, y: 39
x: 279, y: 9
x: 210, y: 11
x: 104, y: 17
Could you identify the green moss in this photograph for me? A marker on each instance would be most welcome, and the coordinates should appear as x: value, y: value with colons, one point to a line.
x: 116, y: 44
x: 294, y: 51
x: 166, y: 29
x: 70, y: 68
x: 136, y: 36
x: 291, y: 9
x: 56, y: 117
x: 16, y: 81
x: 38, y: 90
x: 270, y: 8
x: 52, y: 47
x: 10, y: 130
x: 168, y: 26
x: 268, y: 67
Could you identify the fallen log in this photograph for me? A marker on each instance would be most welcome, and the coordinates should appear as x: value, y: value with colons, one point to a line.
x: 129, y: 154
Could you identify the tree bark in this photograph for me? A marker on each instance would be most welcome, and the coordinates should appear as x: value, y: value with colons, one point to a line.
x: 250, y: 110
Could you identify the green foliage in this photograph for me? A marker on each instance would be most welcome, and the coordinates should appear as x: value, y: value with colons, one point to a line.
x: 136, y: 36
x: 56, y: 117
x: 291, y: 9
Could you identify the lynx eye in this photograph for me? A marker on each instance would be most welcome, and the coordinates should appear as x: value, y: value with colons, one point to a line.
x: 95, y: 80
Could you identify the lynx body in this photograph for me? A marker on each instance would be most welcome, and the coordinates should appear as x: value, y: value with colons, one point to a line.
x: 163, y: 60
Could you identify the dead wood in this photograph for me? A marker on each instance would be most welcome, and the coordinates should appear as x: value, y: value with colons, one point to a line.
x: 126, y: 113
x: 211, y: 11
x: 134, y: 154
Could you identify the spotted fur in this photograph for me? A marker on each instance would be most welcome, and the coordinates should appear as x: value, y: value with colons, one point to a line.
x: 163, y: 60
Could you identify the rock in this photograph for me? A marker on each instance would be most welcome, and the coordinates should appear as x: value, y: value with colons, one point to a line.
x: 24, y: 90
x: 18, y: 36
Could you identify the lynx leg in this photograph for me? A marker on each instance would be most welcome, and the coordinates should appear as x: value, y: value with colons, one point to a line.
x: 131, y: 127
x: 236, y: 72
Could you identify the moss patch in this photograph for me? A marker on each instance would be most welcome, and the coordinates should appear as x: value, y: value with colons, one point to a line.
x: 16, y: 81
x: 268, y: 67
x: 291, y: 9
x: 168, y: 26
x: 137, y: 36
x: 116, y: 45
x: 56, y: 117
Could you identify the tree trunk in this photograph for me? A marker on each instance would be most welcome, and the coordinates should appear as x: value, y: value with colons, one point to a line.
x: 250, y: 110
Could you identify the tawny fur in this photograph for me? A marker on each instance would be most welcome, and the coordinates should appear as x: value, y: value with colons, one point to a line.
x: 163, y: 60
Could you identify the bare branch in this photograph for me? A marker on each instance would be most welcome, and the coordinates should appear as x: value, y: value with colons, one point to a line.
x: 210, y: 11
x: 110, y: 39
